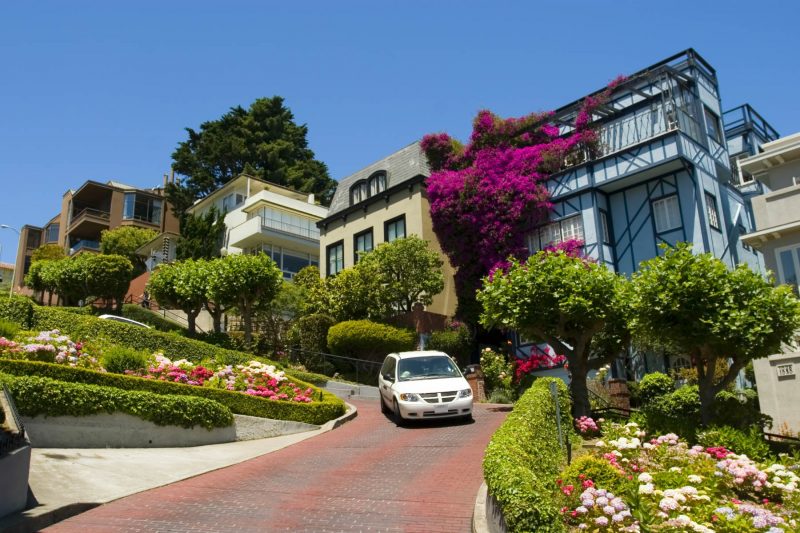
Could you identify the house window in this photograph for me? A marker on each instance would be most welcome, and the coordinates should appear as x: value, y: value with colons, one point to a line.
x: 335, y: 254
x: 377, y: 183
x: 711, y: 211
x: 231, y: 201
x: 605, y: 233
x: 358, y: 192
x: 51, y: 233
x: 788, y: 265
x: 395, y: 228
x: 141, y: 207
x: 667, y: 213
x: 362, y: 242
x: 556, y: 232
x: 712, y: 125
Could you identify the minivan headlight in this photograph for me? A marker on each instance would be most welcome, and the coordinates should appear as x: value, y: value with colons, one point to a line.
x: 466, y: 393
x: 409, y: 397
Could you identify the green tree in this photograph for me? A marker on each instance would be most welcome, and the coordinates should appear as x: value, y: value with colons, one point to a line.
x: 693, y: 304
x: 182, y: 285
x: 314, y: 295
x: 108, y: 277
x: 578, y: 307
x: 48, y: 251
x: 36, y: 279
x: 201, y: 236
x: 247, y: 282
x: 69, y: 276
x: 124, y: 241
x: 408, y: 271
x: 263, y: 141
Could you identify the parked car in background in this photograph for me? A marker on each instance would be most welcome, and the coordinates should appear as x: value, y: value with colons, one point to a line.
x: 123, y: 320
x: 424, y: 384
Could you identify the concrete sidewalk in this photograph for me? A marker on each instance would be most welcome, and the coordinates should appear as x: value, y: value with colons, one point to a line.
x: 65, y: 482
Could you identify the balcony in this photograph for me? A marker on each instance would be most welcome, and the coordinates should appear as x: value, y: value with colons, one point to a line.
x: 776, y: 214
x: 88, y: 222
x: 259, y: 230
x: 84, y: 245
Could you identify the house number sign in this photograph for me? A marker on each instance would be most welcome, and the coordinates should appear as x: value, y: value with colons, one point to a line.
x: 785, y: 370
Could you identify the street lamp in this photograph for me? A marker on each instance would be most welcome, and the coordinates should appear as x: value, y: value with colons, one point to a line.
x: 13, y: 272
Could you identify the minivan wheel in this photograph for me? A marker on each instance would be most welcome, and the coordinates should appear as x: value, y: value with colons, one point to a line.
x: 398, y: 418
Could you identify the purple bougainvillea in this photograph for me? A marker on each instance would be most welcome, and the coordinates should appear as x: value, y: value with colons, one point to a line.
x: 488, y: 196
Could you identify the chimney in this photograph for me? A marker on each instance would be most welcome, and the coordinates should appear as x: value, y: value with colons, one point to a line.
x: 311, y: 198
x: 165, y: 181
x: 172, y: 175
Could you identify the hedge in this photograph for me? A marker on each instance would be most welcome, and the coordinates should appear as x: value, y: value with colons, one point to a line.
x: 317, y: 412
x: 17, y: 309
x: 43, y: 396
x: 151, y: 318
x: 174, y: 346
x: 368, y: 341
x: 523, y: 460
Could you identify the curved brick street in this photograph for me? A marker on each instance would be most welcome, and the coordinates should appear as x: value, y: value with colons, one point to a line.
x: 367, y: 475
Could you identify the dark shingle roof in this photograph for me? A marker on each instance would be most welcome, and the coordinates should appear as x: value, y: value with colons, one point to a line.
x: 401, y: 166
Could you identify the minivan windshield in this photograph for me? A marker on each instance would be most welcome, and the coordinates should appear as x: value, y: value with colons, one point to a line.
x: 427, y: 367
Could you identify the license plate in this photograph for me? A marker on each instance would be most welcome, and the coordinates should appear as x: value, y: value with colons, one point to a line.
x: 440, y: 409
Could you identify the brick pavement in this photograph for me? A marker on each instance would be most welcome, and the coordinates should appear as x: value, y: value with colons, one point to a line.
x: 367, y: 475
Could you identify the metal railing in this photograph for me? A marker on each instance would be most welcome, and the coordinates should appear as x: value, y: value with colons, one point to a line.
x: 746, y: 116
x: 89, y: 212
x: 347, y: 366
x: 153, y: 306
x: 84, y: 244
x: 271, y: 223
x: 14, y: 438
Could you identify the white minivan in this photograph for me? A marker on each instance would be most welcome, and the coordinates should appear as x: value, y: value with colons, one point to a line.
x: 424, y: 384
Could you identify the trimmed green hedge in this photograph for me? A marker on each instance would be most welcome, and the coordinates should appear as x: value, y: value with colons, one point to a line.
x: 42, y: 396
x: 174, y: 346
x: 325, y: 406
x: 17, y: 309
x: 368, y: 341
x: 523, y: 460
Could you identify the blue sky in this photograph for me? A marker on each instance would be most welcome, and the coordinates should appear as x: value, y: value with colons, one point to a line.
x: 94, y: 90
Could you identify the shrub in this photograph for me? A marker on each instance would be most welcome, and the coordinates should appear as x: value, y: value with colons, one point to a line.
x: 497, y: 372
x: 152, y: 319
x: 739, y: 409
x: 171, y: 344
x: 654, y: 385
x: 368, y: 341
x: 42, y: 396
x: 8, y: 329
x: 85, y: 310
x: 325, y: 406
x: 523, y: 459
x: 598, y: 470
x: 455, y: 342
x: 118, y: 359
x: 17, y: 309
x: 676, y: 412
x: 501, y: 396
x: 750, y: 443
x: 310, y: 333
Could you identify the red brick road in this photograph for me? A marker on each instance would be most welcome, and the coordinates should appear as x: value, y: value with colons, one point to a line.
x: 367, y: 475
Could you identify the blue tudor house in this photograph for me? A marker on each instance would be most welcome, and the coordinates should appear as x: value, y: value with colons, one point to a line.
x: 663, y: 175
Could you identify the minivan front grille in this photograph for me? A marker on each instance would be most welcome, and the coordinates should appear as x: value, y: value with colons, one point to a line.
x: 439, y: 397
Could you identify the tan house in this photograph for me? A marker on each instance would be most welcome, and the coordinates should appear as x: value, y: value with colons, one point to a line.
x: 89, y: 210
x: 777, y: 236
x: 382, y: 202
x: 6, y: 273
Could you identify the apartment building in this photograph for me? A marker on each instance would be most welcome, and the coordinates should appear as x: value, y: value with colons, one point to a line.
x: 382, y: 202
x: 90, y: 209
x: 265, y: 217
x: 775, y: 173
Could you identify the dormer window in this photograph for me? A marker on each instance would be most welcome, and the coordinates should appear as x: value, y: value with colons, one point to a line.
x: 358, y: 192
x: 377, y: 183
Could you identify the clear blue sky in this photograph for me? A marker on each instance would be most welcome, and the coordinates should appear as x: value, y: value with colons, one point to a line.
x: 101, y: 90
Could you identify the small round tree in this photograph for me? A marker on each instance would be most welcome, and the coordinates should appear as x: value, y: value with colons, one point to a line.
x: 693, y: 304
x: 182, y: 285
x: 578, y: 307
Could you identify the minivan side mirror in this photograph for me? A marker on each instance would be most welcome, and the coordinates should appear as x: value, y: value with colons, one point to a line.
x: 388, y: 377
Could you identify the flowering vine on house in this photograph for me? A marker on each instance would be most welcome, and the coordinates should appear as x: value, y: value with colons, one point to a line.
x: 488, y: 196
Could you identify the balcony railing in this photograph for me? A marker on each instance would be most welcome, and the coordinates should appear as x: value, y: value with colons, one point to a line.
x: 84, y: 244
x: 645, y: 125
x: 89, y: 212
x: 746, y: 116
x: 308, y: 233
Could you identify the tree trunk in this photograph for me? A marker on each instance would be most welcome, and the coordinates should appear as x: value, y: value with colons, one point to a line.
x: 579, y: 391
x: 706, y: 404
x: 248, y: 324
x: 191, y: 320
x: 706, y: 370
